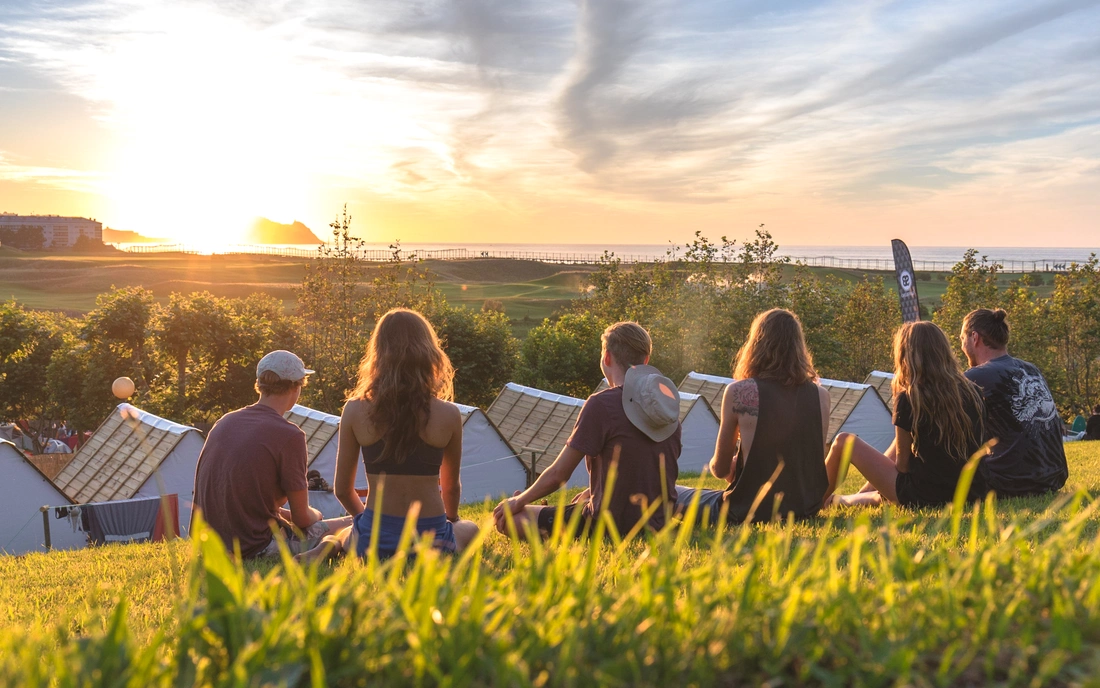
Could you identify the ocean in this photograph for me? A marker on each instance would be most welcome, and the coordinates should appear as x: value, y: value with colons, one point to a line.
x: 866, y: 255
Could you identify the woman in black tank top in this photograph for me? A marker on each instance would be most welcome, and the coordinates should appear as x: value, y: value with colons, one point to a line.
x: 771, y: 444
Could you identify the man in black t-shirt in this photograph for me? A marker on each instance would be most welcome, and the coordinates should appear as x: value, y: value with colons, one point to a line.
x: 1092, y: 426
x: 1029, y: 457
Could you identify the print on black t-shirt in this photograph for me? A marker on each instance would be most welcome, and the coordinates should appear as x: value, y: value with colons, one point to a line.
x: 1029, y: 457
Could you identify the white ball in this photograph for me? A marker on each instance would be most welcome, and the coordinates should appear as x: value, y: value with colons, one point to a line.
x: 123, y: 388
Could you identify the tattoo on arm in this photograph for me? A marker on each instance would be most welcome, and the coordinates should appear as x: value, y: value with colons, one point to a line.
x: 744, y: 398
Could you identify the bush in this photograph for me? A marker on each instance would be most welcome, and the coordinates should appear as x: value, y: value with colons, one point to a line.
x: 563, y: 356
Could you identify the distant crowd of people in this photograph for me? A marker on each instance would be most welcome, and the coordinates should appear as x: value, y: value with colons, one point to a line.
x: 251, y: 482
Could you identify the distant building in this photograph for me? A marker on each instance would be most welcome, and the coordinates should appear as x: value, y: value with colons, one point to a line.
x: 58, y: 232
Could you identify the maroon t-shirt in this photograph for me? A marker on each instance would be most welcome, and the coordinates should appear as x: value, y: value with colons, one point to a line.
x: 603, y: 432
x: 252, y: 458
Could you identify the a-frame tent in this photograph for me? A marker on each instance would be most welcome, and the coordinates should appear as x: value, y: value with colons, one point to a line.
x: 536, y: 422
x: 856, y: 408
x: 490, y: 469
x: 135, y: 454
x: 881, y: 382
x: 710, y: 387
x: 24, y: 490
x: 698, y: 430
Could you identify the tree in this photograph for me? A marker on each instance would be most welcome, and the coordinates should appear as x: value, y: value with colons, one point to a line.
x: 481, y: 348
x: 26, y: 237
x: 865, y: 328
x: 113, y: 341
x: 972, y: 284
x: 340, y: 299
x: 1074, y: 333
x: 563, y: 355
x: 27, y: 342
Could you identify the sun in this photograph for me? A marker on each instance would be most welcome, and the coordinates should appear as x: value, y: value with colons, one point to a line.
x: 205, y: 146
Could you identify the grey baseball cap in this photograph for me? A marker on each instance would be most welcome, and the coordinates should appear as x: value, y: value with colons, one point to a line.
x: 284, y: 364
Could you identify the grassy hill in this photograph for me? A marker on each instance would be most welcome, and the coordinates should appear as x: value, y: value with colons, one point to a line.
x: 1007, y: 593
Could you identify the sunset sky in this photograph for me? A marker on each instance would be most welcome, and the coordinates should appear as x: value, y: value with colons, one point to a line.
x: 617, y: 121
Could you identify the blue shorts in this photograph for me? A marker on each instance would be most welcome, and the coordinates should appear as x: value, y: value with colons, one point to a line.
x: 390, y: 528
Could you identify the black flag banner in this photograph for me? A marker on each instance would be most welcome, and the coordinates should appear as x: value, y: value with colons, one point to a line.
x: 907, y: 283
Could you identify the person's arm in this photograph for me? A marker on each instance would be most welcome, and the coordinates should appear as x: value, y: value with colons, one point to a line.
x: 347, y: 464
x: 556, y: 475
x: 450, y: 483
x: 740, y: 397
x: 302, y: 515
x: 903, y: 444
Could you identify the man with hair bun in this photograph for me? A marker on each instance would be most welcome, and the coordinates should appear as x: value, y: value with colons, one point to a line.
x: 634, y: 424
x: 254, y: 461
x: 1029, y: 457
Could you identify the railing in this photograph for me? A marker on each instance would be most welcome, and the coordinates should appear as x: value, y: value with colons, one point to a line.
x: 570, y: 258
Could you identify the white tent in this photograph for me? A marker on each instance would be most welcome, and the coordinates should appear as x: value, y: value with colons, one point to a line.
x: 856, y: 408
x: 135, y: 454
x: 23, y: 491
x: 537, y: 422
x: 490, y: 468
x: 322, y: 430
x: 698, y: 429
x: 698, y: 433
x: 881, y: 382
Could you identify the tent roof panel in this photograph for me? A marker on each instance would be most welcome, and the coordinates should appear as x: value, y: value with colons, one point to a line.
x: 120, y: 456
x: 881, y: 382
x: 534, y: 419
x: 319, y: 427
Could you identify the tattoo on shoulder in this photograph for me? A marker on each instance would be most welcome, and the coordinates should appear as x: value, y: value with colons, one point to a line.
x: 744, y: 398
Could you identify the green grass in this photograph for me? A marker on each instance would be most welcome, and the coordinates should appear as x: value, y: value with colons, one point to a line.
x: 1009, y: 594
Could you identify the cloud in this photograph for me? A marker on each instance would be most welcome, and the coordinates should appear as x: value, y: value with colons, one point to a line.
x: 522, y: 107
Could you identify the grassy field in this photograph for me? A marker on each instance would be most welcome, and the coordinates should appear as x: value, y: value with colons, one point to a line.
x: 1005, y: 594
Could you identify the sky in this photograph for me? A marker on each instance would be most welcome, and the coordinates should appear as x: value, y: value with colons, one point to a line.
x: 595, y: 121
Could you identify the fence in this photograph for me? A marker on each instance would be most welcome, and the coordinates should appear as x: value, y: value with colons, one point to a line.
x: 569, y: 258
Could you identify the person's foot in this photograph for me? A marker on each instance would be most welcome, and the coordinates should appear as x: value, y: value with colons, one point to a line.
x: 330, y: 547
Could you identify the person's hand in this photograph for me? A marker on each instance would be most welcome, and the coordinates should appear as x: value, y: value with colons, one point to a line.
x: 512, y: 506
x: 584, y: 496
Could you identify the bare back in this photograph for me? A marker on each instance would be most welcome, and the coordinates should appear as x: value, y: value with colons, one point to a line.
x: 398, y: 492
x: 740, y: 413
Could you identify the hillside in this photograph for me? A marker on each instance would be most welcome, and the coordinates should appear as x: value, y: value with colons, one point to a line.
x: 265, y: 231
x: 1007, y: 594
x: 125, y: 236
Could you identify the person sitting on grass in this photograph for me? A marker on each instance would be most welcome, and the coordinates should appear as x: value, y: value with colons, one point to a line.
x: 1092, y: 425
x: 254, y: 461
x: 774, y: 423
x: 410, y: 435
x: 939, y: 420
x: 1029, y: 457
x: 635, y: 424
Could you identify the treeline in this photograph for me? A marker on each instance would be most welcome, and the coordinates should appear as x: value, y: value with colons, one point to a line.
x: 193, y: 358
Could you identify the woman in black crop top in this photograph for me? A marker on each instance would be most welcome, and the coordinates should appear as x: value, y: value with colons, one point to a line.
x: 939, y: 421
x: 410, y: 437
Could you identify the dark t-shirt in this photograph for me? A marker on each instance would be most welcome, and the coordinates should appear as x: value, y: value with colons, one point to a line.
x: 603, y: 432
x: 1029, y: 457
x: 252, y: 458
x: 933, y: 470
x: 1092, y: 427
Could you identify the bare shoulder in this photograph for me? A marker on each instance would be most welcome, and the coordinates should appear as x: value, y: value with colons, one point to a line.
x: 446, y: 411
x: 743, y: 397
x: 824, y: 396
x: 354, y: 408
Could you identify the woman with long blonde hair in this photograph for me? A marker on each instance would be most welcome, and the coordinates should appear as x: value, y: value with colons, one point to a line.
x: 400, y: 417
x: 939, y: 421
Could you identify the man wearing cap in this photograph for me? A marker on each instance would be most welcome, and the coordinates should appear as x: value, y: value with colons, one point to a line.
x: 254, y: 461
x: 635, y: 423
